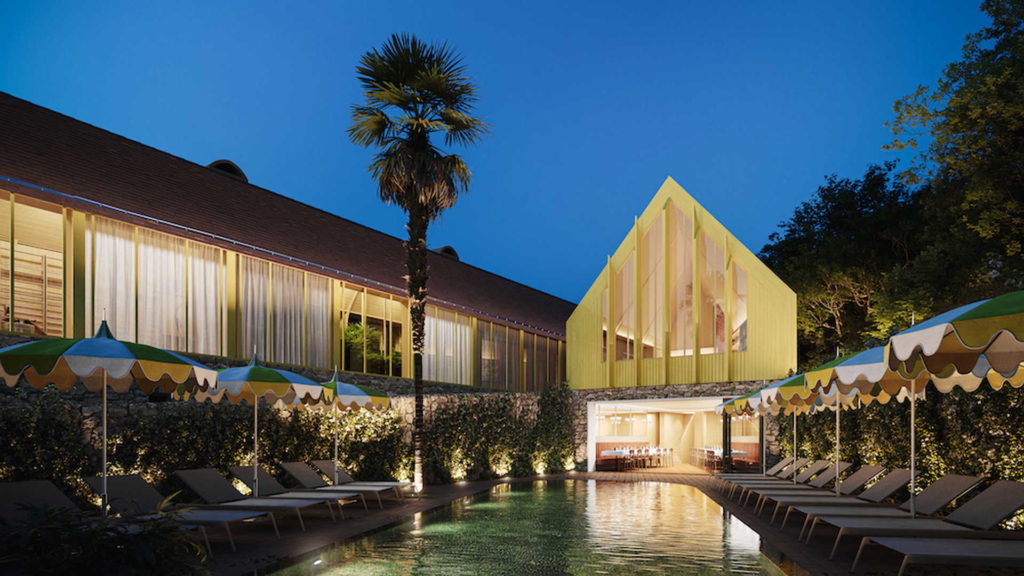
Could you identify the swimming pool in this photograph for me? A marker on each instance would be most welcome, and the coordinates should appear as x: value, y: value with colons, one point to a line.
x: 557, y: 527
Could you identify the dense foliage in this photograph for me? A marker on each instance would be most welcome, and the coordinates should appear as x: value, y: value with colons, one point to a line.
x: 869, y: 255
x: 965, y: 433
x: 490, y: 435
x: 57, y: 542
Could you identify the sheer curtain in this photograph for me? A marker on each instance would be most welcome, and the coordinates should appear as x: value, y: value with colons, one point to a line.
x: 112, y: 277
x: 318, y: 321
x: 448, y: 345
x: 206, y: 299
x: 253, y: 284
x: 287, y: 310
x: 161, y: 290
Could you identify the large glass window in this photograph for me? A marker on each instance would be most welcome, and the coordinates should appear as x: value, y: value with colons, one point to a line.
x: 652, y: 288
x: 625, y: 333
x: 38, y: 269
x: 712, y: 291
x: 447, y: 356
x: 373, y: 332
x: 680, y: 270
x: 111, y: 277
x: 318, y: 320
x: 253, y: 283
x: 161, y: 290
x: 206, y: 299
x: 604, y: 325
x: 287, y: 294
x: 739, y: 308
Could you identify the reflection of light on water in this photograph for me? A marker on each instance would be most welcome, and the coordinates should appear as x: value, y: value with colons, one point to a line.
x: 570, y: 527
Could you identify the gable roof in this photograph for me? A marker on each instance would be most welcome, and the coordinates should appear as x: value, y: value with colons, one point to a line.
x: 54, y: 157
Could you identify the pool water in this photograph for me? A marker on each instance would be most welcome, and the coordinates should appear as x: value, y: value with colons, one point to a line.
x: 576, y: 527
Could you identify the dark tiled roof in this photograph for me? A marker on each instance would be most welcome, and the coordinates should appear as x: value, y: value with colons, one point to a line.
x: 43, y: 148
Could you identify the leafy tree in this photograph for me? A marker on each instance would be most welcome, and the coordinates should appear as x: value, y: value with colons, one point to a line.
x: 415, y: 93
x: 838, y: 252
x: 968, y: 131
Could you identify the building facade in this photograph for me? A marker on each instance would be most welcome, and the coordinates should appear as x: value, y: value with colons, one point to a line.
x: 681, y: 317
x: 195, y: 259
x: 681, y: 301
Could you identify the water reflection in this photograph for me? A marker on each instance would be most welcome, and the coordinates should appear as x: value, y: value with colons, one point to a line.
x: 558, y: 528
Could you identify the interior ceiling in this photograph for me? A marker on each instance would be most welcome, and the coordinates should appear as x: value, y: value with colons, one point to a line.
x: 678, y: 405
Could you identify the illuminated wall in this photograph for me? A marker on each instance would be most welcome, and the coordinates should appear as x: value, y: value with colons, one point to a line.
x: 63, y: 271
x: 681, y: 301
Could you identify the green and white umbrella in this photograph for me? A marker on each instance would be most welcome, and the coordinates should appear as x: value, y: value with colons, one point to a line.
x: 256, y: 382
x: 351, y: 397
x: 99, y: 363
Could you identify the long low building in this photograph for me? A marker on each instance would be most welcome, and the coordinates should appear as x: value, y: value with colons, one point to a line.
x: 196, y: 259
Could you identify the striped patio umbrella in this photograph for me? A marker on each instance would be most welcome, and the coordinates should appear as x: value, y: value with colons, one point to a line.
x: 256, y: 382
x: 351, y: 397
x: 102, y: 362
x: 956, y: 339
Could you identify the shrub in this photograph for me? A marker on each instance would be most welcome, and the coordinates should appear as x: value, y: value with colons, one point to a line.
x: 55, y: 541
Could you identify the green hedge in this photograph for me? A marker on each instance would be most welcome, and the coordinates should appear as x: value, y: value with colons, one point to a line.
x: 44, y: 436
x: 978, y: 433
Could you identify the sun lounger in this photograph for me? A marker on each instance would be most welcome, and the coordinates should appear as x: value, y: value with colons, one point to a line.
x: 953, y: 551
x: 815, y: 486
x: 941, y: 540
x: 331, y: 471
x: 748, y: 487
x: 310, y: 479
x: 769, y: 473
x: 785, y: 473
x: 938, y: 495
x: 19, y: 499
x: 214, y: 489
x: 271, y: 488
x: 133, y: 497
x: 851, y: 484
x: 872, y: 497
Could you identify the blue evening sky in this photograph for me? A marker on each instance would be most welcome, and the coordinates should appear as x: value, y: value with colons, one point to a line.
x: 747, y: 104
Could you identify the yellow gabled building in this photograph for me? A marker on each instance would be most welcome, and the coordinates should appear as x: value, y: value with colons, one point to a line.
x: 681, y: 301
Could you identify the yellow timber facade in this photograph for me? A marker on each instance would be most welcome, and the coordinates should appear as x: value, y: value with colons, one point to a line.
x: 681, y: 301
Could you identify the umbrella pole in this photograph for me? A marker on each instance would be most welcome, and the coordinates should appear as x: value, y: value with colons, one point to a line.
x: 255, y: 445
x: 103, y: 498
x: 836, y: 479
x: 334, y: 408
x: 794, y: 446
x: 913, y: 451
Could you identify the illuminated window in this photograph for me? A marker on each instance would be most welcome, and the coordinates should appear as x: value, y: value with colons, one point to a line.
x: 206, y: 309
x: 652, y: 289
x: 447, y: 356
x: 712, y: 291
x: 161, y: 290
x: 604, y: 325
x: 680, y: 270
x: 287, y: 313
x: 253, y: 280
x: 625, y: 333
x: 38, y: 304
x: 739, y: 308
x: 110, y: 277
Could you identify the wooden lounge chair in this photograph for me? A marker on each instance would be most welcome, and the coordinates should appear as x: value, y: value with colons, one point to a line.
x: 851, y: 484
x: 18, y: 499
x: 747, y: 487
x: 331, y: 471
x: 133, y: 497
x: 771, y: 472
x: 784, y: 473
x: 310, y: 479
x: 814, y: 486
x: 214, y: 489
x: 953, y: 551
x: 938, y: 495
x: 971, y: 522
x: 872, y: 497
x: 271, y: 488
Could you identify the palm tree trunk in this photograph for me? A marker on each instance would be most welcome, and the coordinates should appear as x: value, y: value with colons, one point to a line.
x: 416, y: 266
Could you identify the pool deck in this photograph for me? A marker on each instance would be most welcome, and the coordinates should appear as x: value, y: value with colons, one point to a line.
x: 258, y: 549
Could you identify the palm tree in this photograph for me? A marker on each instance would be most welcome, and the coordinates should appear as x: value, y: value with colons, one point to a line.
x: 413, y: 92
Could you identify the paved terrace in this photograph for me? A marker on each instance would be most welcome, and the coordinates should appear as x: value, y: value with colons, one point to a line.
x: 258, y: 548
